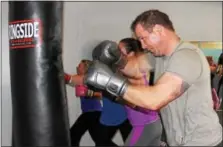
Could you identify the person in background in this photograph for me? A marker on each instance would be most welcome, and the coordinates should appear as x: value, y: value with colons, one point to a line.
x: 220, y: 73
x: 213, y: 68
x: 90, y: 105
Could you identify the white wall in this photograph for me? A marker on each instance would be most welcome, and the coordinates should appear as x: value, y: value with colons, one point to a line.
x: 6, y: 93
x: 1, y: 70
x: 87, y: 23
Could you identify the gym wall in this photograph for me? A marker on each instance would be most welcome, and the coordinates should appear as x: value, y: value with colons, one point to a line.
x: 87, y: 23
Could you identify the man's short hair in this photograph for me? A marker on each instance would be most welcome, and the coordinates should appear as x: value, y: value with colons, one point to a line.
x: 150, y: 18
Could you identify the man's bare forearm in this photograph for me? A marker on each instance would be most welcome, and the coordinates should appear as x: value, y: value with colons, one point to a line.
x: 167, y: 88
x: 124, y: 102
x: 148, y: 97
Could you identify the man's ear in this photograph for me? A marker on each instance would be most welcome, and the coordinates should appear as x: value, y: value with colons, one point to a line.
x: 158, y: 29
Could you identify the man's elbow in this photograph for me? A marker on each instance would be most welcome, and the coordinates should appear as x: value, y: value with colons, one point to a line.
x: 160, y: 103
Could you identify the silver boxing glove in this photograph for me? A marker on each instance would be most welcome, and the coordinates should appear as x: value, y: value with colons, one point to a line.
x: 100, y: 76
x: 108, y: 53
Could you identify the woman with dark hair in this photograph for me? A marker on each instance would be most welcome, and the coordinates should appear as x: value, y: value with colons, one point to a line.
x: 147, y: 128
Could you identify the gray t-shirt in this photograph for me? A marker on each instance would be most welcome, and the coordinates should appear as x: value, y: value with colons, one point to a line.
x: 190, y: 120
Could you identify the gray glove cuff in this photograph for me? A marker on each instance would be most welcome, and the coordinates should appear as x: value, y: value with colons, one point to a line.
x: 121, y: 63
x: 117, y: 85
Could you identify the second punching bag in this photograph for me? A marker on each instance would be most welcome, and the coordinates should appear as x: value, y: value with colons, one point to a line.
x: 40, y: 113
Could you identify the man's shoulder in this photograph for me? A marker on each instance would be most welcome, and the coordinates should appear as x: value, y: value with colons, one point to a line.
x: 188, y: 46
x: 187, y: 49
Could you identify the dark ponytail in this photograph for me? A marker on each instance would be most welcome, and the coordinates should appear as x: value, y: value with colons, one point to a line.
x: 132, y: 44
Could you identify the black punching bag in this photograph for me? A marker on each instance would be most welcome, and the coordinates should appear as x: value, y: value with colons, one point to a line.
x: 40, y: 111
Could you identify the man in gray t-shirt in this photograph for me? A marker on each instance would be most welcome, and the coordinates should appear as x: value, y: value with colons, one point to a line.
x: 182, y: 90
x: 183, y: 73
